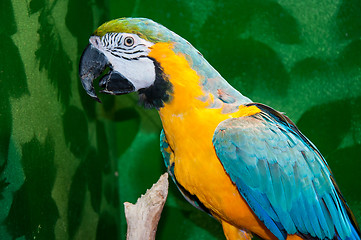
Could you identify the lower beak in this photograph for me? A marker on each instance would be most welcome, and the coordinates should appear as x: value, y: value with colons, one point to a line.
x: 92, y: 65
x: 114, y: 83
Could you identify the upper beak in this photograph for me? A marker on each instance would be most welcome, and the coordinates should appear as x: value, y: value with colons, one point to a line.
x: 92, y: 64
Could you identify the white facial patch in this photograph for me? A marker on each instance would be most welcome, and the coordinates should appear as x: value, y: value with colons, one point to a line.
x: 140, y: 72
x: 128, y: 55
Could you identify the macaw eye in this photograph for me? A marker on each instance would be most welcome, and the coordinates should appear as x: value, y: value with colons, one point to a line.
x: 128, y: 41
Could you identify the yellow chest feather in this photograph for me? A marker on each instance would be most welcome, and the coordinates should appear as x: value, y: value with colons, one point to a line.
x: 189, y: 125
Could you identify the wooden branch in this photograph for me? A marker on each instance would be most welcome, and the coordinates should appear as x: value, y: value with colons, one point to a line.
x: 143, y: 217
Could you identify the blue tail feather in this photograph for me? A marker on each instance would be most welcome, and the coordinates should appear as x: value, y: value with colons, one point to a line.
x: 354, y: 234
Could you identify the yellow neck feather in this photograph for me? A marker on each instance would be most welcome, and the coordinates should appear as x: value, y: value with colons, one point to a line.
x: 186, y: 85
x: 186, y: 110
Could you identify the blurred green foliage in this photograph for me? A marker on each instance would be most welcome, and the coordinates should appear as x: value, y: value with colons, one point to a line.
x: 68, y: 163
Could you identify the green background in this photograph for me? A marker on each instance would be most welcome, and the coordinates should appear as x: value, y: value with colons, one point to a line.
x: 67, y: 163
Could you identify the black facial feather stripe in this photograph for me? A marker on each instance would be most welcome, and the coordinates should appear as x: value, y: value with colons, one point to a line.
x: 126, y: 52
x: 127, y: 58
x: 139, y: 51
x: 159, y: 92
x: 135, y: 46
x: 120, y: 39
x: 111, y: 38
x: 140, y: 44
x: 128, y: 49
x: 124, y: 49
x: 113, y: 44
x: 135, y: 58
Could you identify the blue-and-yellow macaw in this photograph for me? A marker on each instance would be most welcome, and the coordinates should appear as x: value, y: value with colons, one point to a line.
x: 244, y: 163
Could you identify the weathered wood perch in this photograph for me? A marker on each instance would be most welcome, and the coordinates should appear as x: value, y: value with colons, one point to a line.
x: 143, y: 217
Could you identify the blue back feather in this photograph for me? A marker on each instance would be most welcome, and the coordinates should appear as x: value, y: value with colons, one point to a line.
x: 283, y: 177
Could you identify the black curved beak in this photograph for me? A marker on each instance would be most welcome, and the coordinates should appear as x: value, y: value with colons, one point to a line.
x: 92, y: 65
x: 115, y: 84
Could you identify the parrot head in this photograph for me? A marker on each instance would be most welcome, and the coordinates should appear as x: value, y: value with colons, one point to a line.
x: 124, y: 45
x: 145, y: 57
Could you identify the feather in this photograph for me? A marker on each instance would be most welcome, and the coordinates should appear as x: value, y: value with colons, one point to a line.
x: 282, y: 176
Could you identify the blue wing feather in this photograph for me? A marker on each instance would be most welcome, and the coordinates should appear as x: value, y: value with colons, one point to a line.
x: 283, y: 177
